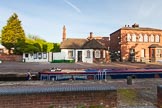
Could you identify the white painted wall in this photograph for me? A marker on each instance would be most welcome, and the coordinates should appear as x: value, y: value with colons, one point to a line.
x: 75, y: 54
x: 65, y: 51
x: 59, y: 56
x: 85, y: 59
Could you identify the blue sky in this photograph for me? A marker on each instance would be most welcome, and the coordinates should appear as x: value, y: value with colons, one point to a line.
x: 46, y: 18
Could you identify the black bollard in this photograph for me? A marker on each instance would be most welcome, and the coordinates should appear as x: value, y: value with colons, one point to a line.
x: 129, y: 80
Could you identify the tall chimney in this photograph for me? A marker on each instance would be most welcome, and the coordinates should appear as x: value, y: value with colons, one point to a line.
x: 91, y: 35
x: 64, y: 33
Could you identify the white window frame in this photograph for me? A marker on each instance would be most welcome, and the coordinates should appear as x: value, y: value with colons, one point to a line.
x: 88, y: 54
x: 97, y: 54
x: 140, y: 38
x: 128, y: 37
x: 152, y: 38
x: 70, y: 54
x: 157, y: 38
x: 145, y: 38
x: 44, y: 55
x: 133, y: 37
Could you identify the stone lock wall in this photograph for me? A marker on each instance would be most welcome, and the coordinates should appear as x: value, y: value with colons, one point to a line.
x: 64, y: 99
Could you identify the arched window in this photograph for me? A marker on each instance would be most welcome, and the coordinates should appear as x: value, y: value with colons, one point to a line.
x: 140, y: 38
x: 88, y: 54
x: 152, y: 38
x: 145, y: 38
x: 157, y: 38
x: 97, y: 54
x: 133, y: 38
x: 128, y: 37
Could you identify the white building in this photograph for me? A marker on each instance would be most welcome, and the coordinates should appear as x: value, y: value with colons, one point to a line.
x: 90, y: 50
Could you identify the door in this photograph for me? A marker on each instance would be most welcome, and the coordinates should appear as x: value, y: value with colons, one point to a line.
x: 79, y: 56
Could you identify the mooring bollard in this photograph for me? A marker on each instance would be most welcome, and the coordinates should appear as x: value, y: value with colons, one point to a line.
x: 129, y: 80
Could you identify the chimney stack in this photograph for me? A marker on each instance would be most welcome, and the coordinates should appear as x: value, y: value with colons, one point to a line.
x: 64, y: 33
x: 135, y: 25
x: 91, y: 35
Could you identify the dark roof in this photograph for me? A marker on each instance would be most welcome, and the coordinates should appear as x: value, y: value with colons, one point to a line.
x: 105, y: 41
x: 155, y: 46
x: 72, y: 43
x: 93, y: 44
x: 51, y: 89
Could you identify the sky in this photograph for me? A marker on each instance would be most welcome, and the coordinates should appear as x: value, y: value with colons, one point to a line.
x: 46, y: 18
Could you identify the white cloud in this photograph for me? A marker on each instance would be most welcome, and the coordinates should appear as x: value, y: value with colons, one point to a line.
x: 73, y: 6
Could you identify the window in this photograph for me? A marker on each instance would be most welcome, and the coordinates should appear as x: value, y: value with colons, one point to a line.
x: 145, y: 38
x: 35, y: 55
x: 128, y: 37
x: 40, y: 55
x: 133, y: 38
x: 143, y: 53
x: 97, y: 54
x: 1, y: 51
x: 26, y: 55
x: 132, y: 52
x: 152, y: 38
x: 44, y: 55
x: 158, y: 51
x: 157, y: 38
x: 70, y: 54
x: 88, y: 54
x: 140, y: 38
x: 104, y: 55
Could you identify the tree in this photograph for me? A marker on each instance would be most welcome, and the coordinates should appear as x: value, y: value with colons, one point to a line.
x: 12, y: 33
x: 56, y: 47
x: 0, y: 38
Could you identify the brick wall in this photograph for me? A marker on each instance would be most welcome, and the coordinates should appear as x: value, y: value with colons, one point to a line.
x: 62, y: 99
x: 10, y: 57
x: 118, y: 42
x: 159, y: 96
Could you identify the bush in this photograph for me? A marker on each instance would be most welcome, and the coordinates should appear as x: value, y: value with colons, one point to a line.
x: 63, y: 61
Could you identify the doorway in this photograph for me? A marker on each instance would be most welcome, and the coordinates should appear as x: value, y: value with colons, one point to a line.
x: 79, y: 56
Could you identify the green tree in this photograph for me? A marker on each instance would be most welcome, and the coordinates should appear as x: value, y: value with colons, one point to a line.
x: 30, y: 48
x: 44, y: 49
x: 0, y: 38
x: 12, y: 33
x: 56, y: 47
x: 19, y: 47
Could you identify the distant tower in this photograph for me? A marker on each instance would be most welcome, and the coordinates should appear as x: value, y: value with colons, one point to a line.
x: 64, y: 33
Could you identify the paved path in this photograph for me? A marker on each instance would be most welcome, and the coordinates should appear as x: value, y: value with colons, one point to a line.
x: 36, y: 67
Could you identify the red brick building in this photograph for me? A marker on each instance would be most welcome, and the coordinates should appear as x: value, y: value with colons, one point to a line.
x: 136, y: 44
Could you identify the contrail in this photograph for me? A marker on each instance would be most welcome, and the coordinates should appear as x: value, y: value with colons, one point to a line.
x: 73, y: 6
